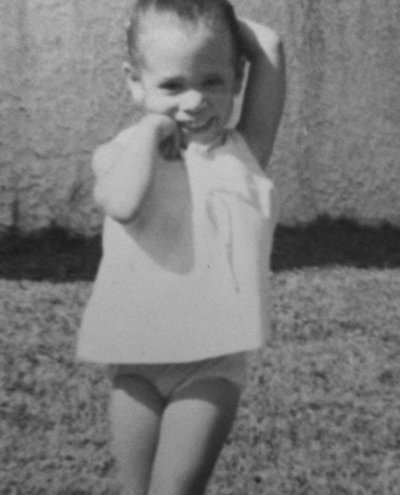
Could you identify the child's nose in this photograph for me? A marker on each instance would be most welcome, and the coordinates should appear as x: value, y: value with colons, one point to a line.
x: 193, y: 101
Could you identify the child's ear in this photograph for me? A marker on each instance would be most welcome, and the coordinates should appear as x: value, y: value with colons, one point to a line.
x: 240, y: 74
x: 134, y: 83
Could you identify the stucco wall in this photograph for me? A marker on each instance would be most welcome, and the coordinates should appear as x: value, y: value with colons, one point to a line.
x: 62, y: 93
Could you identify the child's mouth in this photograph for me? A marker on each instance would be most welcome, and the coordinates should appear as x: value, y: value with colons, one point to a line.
x: 195, y: 128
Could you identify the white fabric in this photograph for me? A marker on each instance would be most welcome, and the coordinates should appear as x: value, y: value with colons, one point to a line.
x: 193, y: 284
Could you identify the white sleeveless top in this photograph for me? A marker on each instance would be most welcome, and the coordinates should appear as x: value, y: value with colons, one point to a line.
x: 188, y: 280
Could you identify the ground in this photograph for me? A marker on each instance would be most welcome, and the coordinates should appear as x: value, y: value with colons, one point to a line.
x: 320, y: 414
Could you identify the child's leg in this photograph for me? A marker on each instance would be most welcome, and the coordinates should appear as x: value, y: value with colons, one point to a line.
x: 194, y: 427
x: 136, y: 408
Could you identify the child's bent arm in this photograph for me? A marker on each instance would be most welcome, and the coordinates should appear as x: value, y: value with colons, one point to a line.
x: 123, y: 173
x: 265, y: 91
x: 123, y: 170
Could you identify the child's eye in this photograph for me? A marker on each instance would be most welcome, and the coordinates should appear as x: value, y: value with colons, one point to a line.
x: 171, y: 86
x: 213, y: 82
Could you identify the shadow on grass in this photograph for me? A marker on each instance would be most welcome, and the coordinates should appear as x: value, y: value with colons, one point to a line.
x: 57, y: 256
x: 327, y: 242
x: 53, y: 255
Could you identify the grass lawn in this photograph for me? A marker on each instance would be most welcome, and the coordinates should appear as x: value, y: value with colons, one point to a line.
x: 321, y: 414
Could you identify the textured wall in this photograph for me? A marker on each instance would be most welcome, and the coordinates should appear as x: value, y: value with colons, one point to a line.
x: 61, y: 93
x: 339, y: 149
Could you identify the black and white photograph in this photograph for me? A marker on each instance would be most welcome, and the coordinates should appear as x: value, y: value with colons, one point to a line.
x: 199, y: 247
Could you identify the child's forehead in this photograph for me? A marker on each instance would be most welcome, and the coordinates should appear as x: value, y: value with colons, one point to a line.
x: 153, y: 22
x: 196, y: 50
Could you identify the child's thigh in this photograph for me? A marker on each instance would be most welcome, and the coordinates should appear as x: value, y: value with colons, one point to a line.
x: 135, y: 412
x: 194, y: 427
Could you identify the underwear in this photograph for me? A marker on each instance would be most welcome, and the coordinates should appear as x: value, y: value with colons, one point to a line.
x: 172, y: 377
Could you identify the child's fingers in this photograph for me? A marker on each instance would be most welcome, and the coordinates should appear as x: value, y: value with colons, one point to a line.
x: 165, y: 147
x: 168, y: 135
x: 170, y: 147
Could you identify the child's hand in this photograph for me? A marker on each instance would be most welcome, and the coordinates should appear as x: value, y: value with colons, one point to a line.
x: 168, y: 135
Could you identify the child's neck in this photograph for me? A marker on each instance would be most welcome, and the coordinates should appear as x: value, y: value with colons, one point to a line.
x: 216, y: 143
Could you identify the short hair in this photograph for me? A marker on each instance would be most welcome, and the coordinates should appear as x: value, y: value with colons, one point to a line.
x: 191, y: 10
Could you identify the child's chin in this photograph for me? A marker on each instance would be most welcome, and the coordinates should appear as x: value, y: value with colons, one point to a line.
x: 206, y: 138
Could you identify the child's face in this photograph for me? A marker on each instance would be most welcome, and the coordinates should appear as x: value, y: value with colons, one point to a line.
x: 188, y: 72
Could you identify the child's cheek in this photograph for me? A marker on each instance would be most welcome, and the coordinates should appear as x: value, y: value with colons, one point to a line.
x: 159, y: 104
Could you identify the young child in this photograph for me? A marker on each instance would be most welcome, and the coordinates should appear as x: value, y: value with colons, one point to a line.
x: 182, y: 292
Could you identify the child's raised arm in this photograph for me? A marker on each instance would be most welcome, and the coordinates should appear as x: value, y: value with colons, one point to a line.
x: 265, y: 91
x: 124, y: 167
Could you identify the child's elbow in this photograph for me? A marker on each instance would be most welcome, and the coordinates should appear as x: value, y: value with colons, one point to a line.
x: 113, y: 206
x: 276, y: 39
x: 275, y: 49
x: 262, y: 40
x: 107, y: 192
